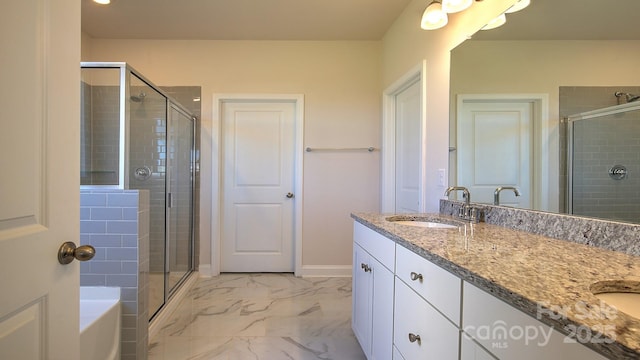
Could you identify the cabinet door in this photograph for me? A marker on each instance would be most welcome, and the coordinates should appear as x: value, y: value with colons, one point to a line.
x: 397, y: 355
x: 469, y: 350
x: 361, y: 298
x: 421, y: 332
x: 382, y: 315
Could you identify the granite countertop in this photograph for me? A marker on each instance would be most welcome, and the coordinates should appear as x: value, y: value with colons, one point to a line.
x: 530, y: 272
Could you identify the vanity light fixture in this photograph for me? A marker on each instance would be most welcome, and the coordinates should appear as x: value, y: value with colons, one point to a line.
x: 434, y: 17
x: 102, y: 2
x: 454, y: 6
x: 521, y: 4
x: 497, y: 22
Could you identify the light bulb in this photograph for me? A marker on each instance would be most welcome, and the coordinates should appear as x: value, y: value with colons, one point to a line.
x: 497, y: 22
x: 433, y: 17
x: 102, y: 2
x: 521, y: 4
x: 453, y: 6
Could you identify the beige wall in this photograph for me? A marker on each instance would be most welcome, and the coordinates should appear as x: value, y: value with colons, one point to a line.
x: 541, y: 67
x: 341, y: 82
x: 406, y: 45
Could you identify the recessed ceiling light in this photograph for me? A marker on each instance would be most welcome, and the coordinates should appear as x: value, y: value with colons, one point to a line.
x: 102, y: 2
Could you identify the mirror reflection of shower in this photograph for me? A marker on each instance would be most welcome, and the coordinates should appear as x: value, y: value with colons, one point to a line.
x: 602, y: 166
x: 627, y: 97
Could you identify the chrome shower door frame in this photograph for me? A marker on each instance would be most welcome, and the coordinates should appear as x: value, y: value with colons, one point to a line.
x: 570, y: 120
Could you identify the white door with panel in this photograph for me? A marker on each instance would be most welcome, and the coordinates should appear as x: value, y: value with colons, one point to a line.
x: 258, y: 186
x: 494, y: 146
x: 40, y: 178
x: 408, y: 149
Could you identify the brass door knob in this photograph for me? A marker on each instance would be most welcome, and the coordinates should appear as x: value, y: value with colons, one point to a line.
x: 68, y: 251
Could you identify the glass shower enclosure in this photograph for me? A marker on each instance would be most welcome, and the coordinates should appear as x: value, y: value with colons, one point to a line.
x: 603, y: 160
x: 134, y: 136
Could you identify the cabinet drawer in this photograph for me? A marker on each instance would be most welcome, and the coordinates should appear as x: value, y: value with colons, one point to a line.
x: 438, y: 286
x: 379, y: 246
x: 438, y: 337
x: 509, y: 333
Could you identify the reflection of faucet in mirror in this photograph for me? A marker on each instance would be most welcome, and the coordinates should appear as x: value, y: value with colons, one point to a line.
x: 496, y: 194
x: 628, y: 97
x: 465, y: 193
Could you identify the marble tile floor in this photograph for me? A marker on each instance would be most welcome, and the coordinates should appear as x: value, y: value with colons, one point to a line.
x: 260, y: 316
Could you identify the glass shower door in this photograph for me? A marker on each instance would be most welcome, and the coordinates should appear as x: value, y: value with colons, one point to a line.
x: 180, y: 198
x: 603, y: 163
x: 147, y: 171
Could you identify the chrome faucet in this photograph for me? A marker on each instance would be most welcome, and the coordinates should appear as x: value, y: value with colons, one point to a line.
x: 465, y: 193
x: 466, y: 212
x: 496, y: 194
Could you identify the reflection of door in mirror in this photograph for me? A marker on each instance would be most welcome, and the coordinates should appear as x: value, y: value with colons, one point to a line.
x: 495, y: 148
x: 408, y: 149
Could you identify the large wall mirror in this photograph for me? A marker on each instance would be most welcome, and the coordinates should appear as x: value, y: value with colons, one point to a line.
x: 514, y: 90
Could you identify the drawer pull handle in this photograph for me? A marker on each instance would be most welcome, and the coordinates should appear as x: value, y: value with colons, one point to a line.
x: 413, y: 338
x: 415, y: 276
x: 365, y: 267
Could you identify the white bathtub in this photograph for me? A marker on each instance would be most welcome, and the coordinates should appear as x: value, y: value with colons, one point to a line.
x: 99, y: 323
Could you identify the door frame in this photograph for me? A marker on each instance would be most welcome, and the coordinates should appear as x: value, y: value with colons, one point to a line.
x: 388, y: 153
x: 541, y: 146
x: 217, y: 171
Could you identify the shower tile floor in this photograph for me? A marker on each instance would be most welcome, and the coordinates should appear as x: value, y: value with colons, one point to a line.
x: 260, y: 316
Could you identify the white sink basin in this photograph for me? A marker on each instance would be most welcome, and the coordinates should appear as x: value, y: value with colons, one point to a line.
x: 627, y: 302
x: 426, y: 224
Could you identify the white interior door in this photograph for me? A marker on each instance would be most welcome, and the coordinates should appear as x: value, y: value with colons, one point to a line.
x: 39, y: 180
x: 408, y: 149
x: 258, y: 186
x: 494, y: 146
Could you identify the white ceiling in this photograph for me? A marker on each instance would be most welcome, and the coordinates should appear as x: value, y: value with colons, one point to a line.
x: 241, y: 19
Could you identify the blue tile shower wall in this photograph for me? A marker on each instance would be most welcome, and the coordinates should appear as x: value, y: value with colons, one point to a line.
x: 116, y: 223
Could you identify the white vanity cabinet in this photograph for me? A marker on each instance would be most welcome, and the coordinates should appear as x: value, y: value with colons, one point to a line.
x: 470, y: 350
x: 436, y: 285
x: 407, y: 308
x: 372, y: 315
x: 419, y: 330
x: 509, y: 333
x: 427, y: 308
x: 397, y: 355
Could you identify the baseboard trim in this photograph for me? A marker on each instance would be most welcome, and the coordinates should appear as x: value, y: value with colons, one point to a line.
x: 325, y: 271
x: 171, y: 305
x: 205, y: 270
